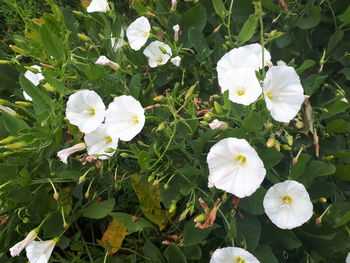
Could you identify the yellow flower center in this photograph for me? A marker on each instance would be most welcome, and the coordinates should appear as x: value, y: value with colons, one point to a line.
x: 269, y: 95
x: 240, y: 92
x: 136, y: 120
x: 286, y: 199
x: 242, y: 159
x: 239, y: 260
x: 92, y: 112
x: 159, y: 60
x: 108, y: 139
x: 147, y: 34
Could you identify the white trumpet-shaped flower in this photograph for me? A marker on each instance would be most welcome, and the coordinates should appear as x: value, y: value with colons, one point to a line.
x: 348, y: 258
x: 283, y: 93
x: 98, y: 6
x: 86, y: 110
x: 40, y: 251
x: 138, y: 32
x: 34, y: 78
x: 118, y: 42
x: 176, y: 61
x: 17, y: 248
x: 176, y: 29
x: 101, y: 142
x: 232, y: 255
x: 288, y: 204
x: 65, y: 153
x: 248, y: 56
x: 157, y: 53
x: 104, y: 61
x: 242, y: 84
x: 125, y: 117
x: 216, y: 124
x: 235, y: 167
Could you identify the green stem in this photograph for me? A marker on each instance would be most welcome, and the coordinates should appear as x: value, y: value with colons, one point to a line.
x: 229, y: 21
x: 262, y: 43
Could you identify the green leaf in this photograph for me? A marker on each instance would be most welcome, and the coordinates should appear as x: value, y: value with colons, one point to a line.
x: 144, y: 160
x: 219, y: 8
x: 99, y: 210
x: 152, y: 252
x: 339, y: 214
x: 342, y: 173
x: 133, y: 225
x: 254, y: 203
x: 312, y: 20
x: 195, y: 17
x: 253, y: 122
x: 334, y: 109
x: 334, y: 40
x: 173, y: 254
x: 264, y: 254
x: 193, y: 235
x: 338, y: 126
x: 299, y: 168
x: 249, y: 228
x: 193, y: 252
x: 319, y: 168
x: 313, y: 82
x: 306, y: 64
x: 248, y: 29
x: 135, y: 86
x: 52, y: 43
x: 345, y: 17
x: 270, y: 157
x: 12, y: 124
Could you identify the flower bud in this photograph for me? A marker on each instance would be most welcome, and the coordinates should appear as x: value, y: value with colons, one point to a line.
x: 125, y: 155
x: 328, y: 158
x: 289, y: 139
x: 65, y: 226
x: 8, y: 140
x: 218, y: 108
x: 166, y: 186
x: 81, y: 179
x: 161, y: 126
x: 49, y: 87
x: 56, y: 196
x: 78, y: 13
x: 23, y: 103
x: 15, y: 145
x: 270, y: 142
x: 207, y: 116
x: 277, y: 146
x: 16, y: 49
x: 318, y: 221
x: 84, y: 37
x: 155, y: 182
x: 299, y: 125
x: 4, y: 61
x: 216, y: 124
x: 323, y: 200
x: 159, y: 98
x: 286, y: 147
x: 200, y: 218
x: 268, y: 125
x: 172, y: 208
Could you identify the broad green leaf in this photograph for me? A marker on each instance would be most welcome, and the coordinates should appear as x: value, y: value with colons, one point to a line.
x: 195, y: 17
x: 254, y: 204
x: 319, y: 168
x: 345, y: 17
x: 342, y: 173
x: 299, y: 168
x: 249, y: 228
x: 265, y: 254
x: 153, y: 253
x: 99, y: 210
x: 312, y: 19
x: 313, y: 82
x: 132, y: 223
x: 150, y: 202
x: 248, y: 29
x: 334, y: 40
x: 193, y: 235
x: 219, y: 8
x: 135, y: 86
x: 270, y: 157
x: 339, y: 214
x: 334, y: 109
x: 144, y: 159
x: 306, y: 64
x: 113, y: 237
x: 173, y: 254
x: 338, y: 126
x: 12, y: 124
x: 253, y: 122
x: 52, y: 43
x: 193, y: 252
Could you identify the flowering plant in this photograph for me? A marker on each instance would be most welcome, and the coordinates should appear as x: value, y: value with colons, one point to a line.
x: 177, y: 131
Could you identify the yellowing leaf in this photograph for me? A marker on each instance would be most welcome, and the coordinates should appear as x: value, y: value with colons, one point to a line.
x: 113, y: 236
x: 149, y: 197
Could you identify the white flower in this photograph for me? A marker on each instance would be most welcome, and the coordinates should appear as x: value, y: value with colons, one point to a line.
x: 281, y: 63
x: 173, y: 5
x: 158, y: 53
x: 104, y: 61
x: 216, y: 124
x: 348, y: 258
x: 17, y: 249
x: 283, y: 93
x: 98, y: 6
x: 235, y: 167
x: 176, y: 29
x: 65, y: 153
x: 34, y: 78
x: 101, y: 142
x: 288, y: 204
x: 118, y: 42
x: 40, y: 251
x: 248, y: 56
x: 138, y: 32
x: 86, y: 110
x: 232, y: 255
x: 242, y: 84
x: 8, y: 110
x: 176, y: 61
x: 125, y: 117
x: 26, y: 96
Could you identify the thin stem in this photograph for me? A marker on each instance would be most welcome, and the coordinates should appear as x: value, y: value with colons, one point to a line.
x: 262, y: 43
x: 229, y: 21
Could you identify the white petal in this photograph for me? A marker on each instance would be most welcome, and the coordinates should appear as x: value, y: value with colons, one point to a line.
x: 228, y: 173
x: 102, y: 60
x: 242, y: 84
x: 118, y: 42
x: 283, y: 93
x: 98, y: 6
x: 125, y: 117
x: 248, y: 56
x: 40, y: 251
x: 34, y: 78
x: 176, y: 61
x: 348, y: 258
x: 26, y: 96
x: 65, y: 153
x: 101, y: 140
x: 86, y: 110
x: 232, y: 255
x: 155, y: 54
x: 17, y: 248
x: 288, y: 215
x: 138, y: 32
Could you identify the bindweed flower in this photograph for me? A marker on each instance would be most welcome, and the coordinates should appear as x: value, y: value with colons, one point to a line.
x: 118, y: 42
x: 235, y: 167
x: 26, y: 96
x: 8, y: 110
x: 288, y: 204
x: 138, y: 32
x: 101, y: 142
x: 158, y: 53
x: 216, y: 124
x: 242, y: 85
x: 34, y: 78
x: 65, y: 153
x: 98, y: 6
x: 248, y: 56
x: 40, y: 251
x: 17, y: 249
x: 348, y: 258
x: 173, y: 5
x: 104, y: 61
x: 176, y: 61
x: 232, y: 255
x: 86, y: 110
x: 176, y: 29
x: 283, y: 93
x: 125, y: 117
